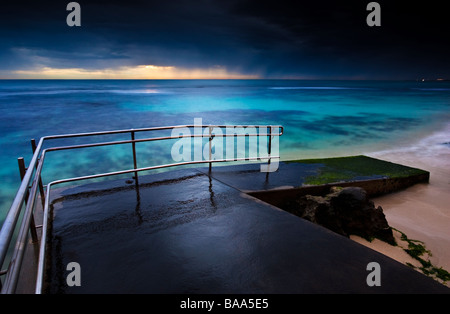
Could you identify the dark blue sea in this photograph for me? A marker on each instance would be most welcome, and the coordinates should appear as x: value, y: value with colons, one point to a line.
x: 321, y: 118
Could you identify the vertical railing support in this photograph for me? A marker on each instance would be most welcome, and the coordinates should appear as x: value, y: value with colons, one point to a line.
x: 210, y: 147
x: 270, y: 144
x: 269, y: 151
x: 136, y: 178
x: 41, y: 186
x: 22, y: 171
x: 133, y: 145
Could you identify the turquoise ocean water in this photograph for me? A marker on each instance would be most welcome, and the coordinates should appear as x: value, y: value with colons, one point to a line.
x: 321, y: 118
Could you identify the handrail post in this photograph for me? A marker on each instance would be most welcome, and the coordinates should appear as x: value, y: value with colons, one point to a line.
x: 133, y: 145
x: 210, y: 148
x: 269, y: 151
x: 41, y: 187
x: 270, y: 143
x: 22, y: 171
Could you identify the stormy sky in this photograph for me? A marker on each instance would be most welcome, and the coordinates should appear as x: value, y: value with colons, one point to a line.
x: 225, y: 38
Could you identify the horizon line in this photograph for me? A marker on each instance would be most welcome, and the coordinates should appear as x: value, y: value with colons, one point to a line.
x: 226, y: 79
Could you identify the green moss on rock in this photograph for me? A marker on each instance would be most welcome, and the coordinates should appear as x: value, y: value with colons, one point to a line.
x: 341, y: 169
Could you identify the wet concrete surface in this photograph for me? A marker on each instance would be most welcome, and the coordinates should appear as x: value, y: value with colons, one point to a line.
x: 248, y: 177
x: 185, y: 232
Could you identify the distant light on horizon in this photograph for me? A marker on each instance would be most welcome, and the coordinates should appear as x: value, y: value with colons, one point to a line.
x: 130, y: 72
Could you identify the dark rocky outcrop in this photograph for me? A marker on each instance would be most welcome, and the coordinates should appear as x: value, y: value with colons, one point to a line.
x: 345, y: 211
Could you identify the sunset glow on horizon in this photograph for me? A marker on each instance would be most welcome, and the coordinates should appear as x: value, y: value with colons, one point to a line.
x: 131, y: 72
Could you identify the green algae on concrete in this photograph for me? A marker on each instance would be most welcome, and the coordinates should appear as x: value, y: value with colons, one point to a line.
x: 352, y: 168
x: 416, y: 249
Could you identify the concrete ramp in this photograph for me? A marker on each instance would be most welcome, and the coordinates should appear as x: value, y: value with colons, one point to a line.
x: 187, y: 232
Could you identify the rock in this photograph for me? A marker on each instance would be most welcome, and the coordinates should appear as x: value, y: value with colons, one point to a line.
x: 358, y: 215
x: 345, y: 211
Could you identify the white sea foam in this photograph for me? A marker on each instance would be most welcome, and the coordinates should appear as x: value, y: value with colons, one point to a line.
x: 135, y: 91
x: 431, y: 151
x: 432, y: 89
x: 313, y: 87
x: 72, y: 91
x: 37, y: 92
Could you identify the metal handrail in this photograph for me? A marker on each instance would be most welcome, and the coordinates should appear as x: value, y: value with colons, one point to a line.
x: 11, y: 218
x: 36, y: 165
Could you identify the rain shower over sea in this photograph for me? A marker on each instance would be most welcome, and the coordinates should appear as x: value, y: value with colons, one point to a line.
x: 320, y: 118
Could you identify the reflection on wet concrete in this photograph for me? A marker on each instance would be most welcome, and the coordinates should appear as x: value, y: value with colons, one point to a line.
x: 248, y: 177
x: 124, y: 224
x: 185, y: 232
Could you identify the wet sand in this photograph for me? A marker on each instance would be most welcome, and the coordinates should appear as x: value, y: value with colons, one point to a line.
x: 422, y: 211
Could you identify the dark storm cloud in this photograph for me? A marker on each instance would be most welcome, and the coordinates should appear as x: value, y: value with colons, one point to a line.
x: 333, y: 35
x: 273, y: 38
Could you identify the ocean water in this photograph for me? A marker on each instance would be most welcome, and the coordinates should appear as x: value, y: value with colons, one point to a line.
x: 321, y: 118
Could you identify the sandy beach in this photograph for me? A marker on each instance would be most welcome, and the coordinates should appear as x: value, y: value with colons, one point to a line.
x: 422, y: 211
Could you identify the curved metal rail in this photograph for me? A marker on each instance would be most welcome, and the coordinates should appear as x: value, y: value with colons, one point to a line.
x: 27, y: 194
